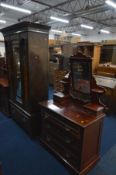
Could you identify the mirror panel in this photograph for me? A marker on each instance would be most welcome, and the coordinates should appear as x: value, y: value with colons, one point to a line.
x: 17, y: 68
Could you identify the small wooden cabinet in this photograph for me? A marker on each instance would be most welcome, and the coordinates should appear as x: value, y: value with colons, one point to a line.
x: 71, y: 134
x: 27, y: 59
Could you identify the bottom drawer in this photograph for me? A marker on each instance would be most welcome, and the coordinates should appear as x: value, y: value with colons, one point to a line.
x: 58, y: 148
x: 23, y: 120
x: 55, y: 146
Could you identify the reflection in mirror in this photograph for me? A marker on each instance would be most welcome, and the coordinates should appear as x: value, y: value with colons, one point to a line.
x: 81, y: 80
x: 18, y: 84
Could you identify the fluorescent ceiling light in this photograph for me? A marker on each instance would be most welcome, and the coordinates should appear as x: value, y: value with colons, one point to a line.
x: 105, y: 31
x: 15, y: 8
x: 2, y: 21
x: 56, y: 31
x: 86, y: 26
x: 2, y: 14
x: 111, y: 3
x: 59, y: 19
x: 66, y: 14
x: 37, y: 22
x: 76, y: 34
x: 18, y: 31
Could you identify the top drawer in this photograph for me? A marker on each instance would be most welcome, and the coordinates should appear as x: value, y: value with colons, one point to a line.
x: 53, y: 124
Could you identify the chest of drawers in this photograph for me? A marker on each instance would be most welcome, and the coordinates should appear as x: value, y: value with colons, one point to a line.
x: 73, y: 138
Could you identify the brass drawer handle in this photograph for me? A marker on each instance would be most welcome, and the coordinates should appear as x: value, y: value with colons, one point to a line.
x: 46, y: 116
x: 24, y: 119
x: 48, y: 138
x: 68, y: 140
x: 48, y: 126
x: 67, y: 129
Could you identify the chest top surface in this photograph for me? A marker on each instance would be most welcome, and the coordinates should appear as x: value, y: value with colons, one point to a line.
x: 72, y: 112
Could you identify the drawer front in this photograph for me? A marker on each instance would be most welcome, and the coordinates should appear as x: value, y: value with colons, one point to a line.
x: 54, y: 145
x: 63, y: 135
x: 63, y: 139
x: 61, y: 151
x: 67, y: 128
x: 23, y: 120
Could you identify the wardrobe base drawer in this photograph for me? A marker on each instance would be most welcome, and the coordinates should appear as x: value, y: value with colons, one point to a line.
x: 23, y: 120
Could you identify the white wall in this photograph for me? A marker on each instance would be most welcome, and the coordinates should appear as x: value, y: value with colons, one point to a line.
x: 51, y: 36
x: 93, y: 36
